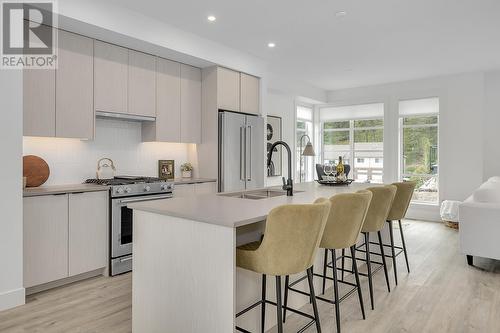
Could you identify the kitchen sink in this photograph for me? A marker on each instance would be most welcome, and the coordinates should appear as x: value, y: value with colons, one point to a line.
x: 256, y: 194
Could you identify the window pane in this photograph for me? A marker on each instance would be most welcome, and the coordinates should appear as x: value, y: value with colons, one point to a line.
x: 369, y: 139
x: 368, y: 167
x: 420, y: 120
x: 336, y: 124
x: 301, y: 124
x: 420, y: 150
x: 332, y: 157
x: 338, y: 138
x: 426, y: 189
x: 369, y: 123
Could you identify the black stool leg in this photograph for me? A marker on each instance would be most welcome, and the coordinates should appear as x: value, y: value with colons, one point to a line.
x: 325, y: 263
x: 358, y: 284
x: 313, y: 298
x: 287, y: 283
x: 470, y: 260
x: 279, y: 310
x: 391, y: 233
x: 343, y: 262
x: 336, y: 290
x: 263, y: 306
x: 404, y: 246
x: 384, y: 263
x: 369, y: 267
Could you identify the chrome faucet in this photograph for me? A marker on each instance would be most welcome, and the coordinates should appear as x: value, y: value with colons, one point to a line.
x: 288, y: 185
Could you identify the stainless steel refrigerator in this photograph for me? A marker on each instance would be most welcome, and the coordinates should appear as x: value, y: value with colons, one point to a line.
x: 241, y: 151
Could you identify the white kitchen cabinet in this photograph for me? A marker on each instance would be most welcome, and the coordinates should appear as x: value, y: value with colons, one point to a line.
x: 167, y: 127
x: 190, y: 104
x: 74, y: 93
x: 228, y: 89
x: 110, y: 77
x: 249, y: 93
x: 88, y: 227
x: 205, y: 188
x: 39, y: 102
x: 45, y: 239
x: 141, y: 84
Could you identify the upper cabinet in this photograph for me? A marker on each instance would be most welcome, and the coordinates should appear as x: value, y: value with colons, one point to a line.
x: 190, y: 104
x: 141, y: 84
x: 60, y: 102
x: 74, y: 87
x: 228, y: 89
x: 237, y: 91
x: 110, y: 77
x: 249, y: 94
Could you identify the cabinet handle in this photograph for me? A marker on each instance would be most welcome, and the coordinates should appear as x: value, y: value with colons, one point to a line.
x: 59, y: 194
x: 77, y: 192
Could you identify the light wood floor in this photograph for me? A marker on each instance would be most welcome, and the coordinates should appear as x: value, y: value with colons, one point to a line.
x: 441, y: 294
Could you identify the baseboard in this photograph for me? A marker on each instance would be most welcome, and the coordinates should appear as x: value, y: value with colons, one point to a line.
x: 423, y: 212
x: 12, y: 298
x: 65, y: 281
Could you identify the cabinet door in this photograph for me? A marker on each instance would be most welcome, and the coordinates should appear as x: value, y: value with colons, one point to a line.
x: 190, y: 104
x: 184, y: 190
x: 45, y: 239
x: 249, y: 94
x: 39, y: 102
x: 75, y: 87
x: 205, y: 188
x: 88, y: 229
x: 141, y: 84
x: 228, y: 89
x: 168, y: 101
x: 110, y: 77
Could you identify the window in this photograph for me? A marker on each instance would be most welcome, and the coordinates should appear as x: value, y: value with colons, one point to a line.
x: 419, y: 147
x: 304, y: 126
x: 359, y: 140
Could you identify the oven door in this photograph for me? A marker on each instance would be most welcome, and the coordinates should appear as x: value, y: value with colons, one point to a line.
x: 122, y: 222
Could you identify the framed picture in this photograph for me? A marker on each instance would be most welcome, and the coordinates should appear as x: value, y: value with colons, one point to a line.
x: 166, y: 170
x: 274, y: 134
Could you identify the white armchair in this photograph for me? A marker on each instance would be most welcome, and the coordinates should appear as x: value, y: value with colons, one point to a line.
x: 479, y: 217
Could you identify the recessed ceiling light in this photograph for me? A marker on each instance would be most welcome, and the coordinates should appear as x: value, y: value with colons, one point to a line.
x: 271, y: 44
x: 341, y: 13
x: 211, y: 18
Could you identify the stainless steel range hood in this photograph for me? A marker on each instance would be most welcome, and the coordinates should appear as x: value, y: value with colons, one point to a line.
x: 124, y: 116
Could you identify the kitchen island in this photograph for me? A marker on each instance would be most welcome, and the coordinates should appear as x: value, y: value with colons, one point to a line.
x: 185, y: 277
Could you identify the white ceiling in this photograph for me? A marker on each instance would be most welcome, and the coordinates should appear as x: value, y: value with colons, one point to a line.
x: 378, y: 41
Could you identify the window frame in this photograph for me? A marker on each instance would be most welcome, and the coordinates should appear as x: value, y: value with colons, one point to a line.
x: 352, y: 151
x: 401, y: 174
x: 312, y: 136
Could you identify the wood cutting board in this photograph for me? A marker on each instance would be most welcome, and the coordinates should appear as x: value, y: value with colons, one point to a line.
x: 36, y: 170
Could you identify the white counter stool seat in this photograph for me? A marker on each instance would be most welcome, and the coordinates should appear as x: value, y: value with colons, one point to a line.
x: 291, y: 240
x: 342, y: 230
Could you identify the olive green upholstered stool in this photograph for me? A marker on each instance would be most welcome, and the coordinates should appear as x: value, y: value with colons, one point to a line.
x: 380, y: 205
x: 342, y: 230
x: 398, y: 211
x: 289, y: 246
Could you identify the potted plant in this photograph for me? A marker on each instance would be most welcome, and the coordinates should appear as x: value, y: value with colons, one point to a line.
x: 187, y: 170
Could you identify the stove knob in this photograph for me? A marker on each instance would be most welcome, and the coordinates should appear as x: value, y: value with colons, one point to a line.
x: 119, y: 190
x: 147, y: 188
x: 128, y: 190
x: 166, y: 187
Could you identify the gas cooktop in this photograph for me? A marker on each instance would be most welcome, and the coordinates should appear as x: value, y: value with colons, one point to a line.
x: 125, y: 180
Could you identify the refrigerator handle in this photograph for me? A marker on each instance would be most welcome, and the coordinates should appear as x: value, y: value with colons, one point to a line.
x: 249, y: 176
x: 242, y: 153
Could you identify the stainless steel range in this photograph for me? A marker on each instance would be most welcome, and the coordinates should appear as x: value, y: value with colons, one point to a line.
x: 125, y: 190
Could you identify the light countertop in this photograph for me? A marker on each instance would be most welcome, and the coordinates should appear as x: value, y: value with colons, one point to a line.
x: 181, y: 181
x: 58, y: 189
x: 235, y: 212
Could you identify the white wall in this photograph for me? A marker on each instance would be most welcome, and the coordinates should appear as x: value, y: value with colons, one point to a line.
x: 11, y: 222
x: 71, y: 161
x: 460, y: 132
x: 492, y: 125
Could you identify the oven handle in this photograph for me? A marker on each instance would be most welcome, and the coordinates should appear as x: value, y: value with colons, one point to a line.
x: 148, y: 198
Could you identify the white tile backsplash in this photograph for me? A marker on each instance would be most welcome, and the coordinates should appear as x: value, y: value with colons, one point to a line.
x: 72, y: 160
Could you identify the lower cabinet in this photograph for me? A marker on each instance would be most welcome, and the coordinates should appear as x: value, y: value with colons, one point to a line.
x: 64, y: 235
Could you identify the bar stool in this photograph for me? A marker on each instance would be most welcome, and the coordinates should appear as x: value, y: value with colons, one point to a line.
x: 289, y: 246
x: 378, y: 211
x: 345, y: 220
x: 398, y: 211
